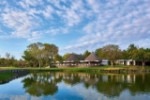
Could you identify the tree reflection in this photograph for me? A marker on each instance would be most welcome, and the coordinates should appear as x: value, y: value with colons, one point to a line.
x: 141, y: 84
x: 111, y: 85
x: 39, y: 84
x: 71, y: 79
x: 116, y: 84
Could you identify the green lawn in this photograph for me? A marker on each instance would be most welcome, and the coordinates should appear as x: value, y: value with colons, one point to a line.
x: 98, y: 69
x: 79, y: 69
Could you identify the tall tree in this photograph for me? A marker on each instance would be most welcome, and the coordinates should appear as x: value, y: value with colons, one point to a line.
x: 30, y: 59
x: 49, y: 52
x: 132, y: 51
x: 99, y: 52
x: 138, y: 54
x: 36, y: 50
x: 111, y: 52
x: 142, y: 55
x: 41, y: 53
x: 124, y: 54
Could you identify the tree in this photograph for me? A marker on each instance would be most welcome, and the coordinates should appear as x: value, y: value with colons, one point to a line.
x: 66, y: 56
x: 132, y: 51
x: 50, y: 51
x: 36, y: 50
x: 8, y: 60
x: 42, y: 53
x: 8, y: 56
x: 142, y: 55
x: 99, y: 52
x: 86, y: 54
x: 59, y: 58
x: 124, y: 54
x: 138, y: 54
x: 111, y: 52
x: 29, y: 58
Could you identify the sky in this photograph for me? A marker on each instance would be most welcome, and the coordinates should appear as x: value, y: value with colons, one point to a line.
x: 73, y: 25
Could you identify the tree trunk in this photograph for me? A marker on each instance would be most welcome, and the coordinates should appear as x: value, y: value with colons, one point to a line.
x: 112, y: 63
x: 47, y: 63
x: 39, y: 64
x: 143, y: 63
x: 134, y: 63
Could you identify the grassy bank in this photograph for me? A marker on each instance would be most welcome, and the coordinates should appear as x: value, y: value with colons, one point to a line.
x: 110, y: 69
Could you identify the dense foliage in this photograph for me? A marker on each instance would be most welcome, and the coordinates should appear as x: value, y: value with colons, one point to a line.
x: 44, y: 54
x: 110, y: 52
x: 9, y: 61
x: 38, y: 54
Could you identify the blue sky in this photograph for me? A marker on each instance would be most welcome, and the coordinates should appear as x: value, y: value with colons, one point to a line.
x: 73, y: 25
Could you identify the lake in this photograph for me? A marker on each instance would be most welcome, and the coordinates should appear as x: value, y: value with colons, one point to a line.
x: 75, y: 86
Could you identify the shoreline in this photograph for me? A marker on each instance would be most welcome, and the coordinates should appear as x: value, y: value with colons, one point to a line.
x: 100, y: 69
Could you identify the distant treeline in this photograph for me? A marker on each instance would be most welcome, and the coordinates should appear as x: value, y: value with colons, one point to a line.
x: 9, y: 61
x: 44, y: 54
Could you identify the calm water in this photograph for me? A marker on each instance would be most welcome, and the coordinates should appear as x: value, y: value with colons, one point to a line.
x: 76, y: 86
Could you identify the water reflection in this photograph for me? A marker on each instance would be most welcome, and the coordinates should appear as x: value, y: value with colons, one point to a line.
x: 110, y: 85
x: 8, y: 76
x: 38, y: 84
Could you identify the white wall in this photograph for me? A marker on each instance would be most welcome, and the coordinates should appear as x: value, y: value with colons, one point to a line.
x: 105, y: 62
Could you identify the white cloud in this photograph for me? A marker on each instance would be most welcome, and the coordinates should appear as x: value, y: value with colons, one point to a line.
x: 27, y: 3
x: 55, y: 31
x: 100, y: 22
x: 25, y: 22
x: 119, y: 24
x: 75, y: 13
x: 35, y: 36
x: 94, y: 5
x: 19, y: 21
x: 48, y: 12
